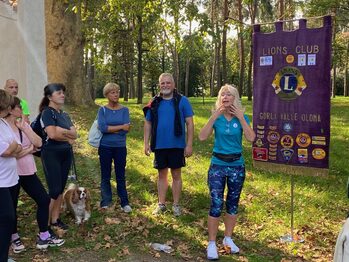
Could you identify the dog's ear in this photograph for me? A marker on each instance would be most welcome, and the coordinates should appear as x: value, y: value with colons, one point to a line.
x: 88, y: 199
x: 75, y: 196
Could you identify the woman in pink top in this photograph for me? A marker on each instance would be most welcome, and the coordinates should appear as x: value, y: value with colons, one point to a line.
x: 29, y: 181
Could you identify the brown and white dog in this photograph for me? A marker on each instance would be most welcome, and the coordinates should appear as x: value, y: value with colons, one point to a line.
x: 77, y: 200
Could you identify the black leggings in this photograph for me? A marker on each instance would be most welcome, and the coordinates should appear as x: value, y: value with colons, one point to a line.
x: 56, y: 163
x: 7, y: 219
x: 33, y: 187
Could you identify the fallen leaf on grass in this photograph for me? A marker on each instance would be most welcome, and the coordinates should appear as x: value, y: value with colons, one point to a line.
x: 184, y: 251
x: 227, y: 249
x: 112, y: 221
x: 126, y: 252
x: 145, y: 233
x: 107, y: 238
x: 200, y: 223
x: 40, y: 258
x: 97, y: 246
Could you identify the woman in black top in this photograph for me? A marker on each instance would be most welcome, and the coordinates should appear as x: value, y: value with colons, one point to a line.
x: 56, y: 152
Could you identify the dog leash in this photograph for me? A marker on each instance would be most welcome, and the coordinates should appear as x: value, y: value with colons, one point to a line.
x: 73, y: 174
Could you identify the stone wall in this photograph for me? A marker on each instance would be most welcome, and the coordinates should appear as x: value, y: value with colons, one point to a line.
x: 23, y: 49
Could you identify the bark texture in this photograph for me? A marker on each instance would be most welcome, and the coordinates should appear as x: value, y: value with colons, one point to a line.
x: 65, y: 50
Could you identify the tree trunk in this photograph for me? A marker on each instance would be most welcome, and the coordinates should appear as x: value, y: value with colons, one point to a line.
x: 176, y: 74
x: 132, y: 94
x: 163, y: 57
x: 218, y: 65
x: 126, y: 75
x: 346, y: 91
x: 334, y: 79
x: 334, y: 62
x: 213, y: 71
x: 281, y: 9
x: 65, y: 51
x: 187, y: 67
x: 224, y: 42
x: 241, y: 50
x: 253, y: 9
x: 213, y: 57
x: 139, y: 62
x: 218, y: 54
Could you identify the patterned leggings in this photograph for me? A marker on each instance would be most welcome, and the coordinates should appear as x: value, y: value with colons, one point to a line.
x: 218, y: 176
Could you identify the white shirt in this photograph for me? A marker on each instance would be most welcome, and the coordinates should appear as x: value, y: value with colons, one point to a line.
x: 8, y: 165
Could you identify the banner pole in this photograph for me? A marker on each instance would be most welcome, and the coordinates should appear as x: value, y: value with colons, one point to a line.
x: 288, y: 238
x: 292, y: 205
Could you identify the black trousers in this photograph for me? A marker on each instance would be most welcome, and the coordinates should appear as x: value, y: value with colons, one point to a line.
x: 34, y: 188
x: 7, y: 220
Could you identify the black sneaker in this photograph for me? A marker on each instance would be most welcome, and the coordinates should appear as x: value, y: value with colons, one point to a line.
x: 52, y: 241
x: 59, y: 224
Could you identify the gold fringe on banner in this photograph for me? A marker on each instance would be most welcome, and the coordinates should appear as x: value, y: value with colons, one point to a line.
x: 288, y: 169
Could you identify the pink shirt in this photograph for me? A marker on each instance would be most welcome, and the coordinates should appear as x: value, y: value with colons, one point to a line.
x: 26, y: 164
x: 8, y: 165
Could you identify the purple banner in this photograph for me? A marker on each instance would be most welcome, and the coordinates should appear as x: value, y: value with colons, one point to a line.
x: 291, y: 94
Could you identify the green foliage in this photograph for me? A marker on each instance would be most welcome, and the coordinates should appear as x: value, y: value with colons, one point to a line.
x: 320, y: 203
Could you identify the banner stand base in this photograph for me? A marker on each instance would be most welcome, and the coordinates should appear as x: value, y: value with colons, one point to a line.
x: 288, y: 169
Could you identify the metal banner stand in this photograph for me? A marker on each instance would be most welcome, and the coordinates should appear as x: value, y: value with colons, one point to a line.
x: 289, y: 238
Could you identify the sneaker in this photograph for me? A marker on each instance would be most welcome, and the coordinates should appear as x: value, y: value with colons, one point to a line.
x: 161, y: 208
x: 212, y: 253
x: 52, y: 241
x: 227, y: 241
x: 176, y: 210
x: 126, y: 209
x: 10, y: 260
x: 59, y: 224
x: 17, y: 246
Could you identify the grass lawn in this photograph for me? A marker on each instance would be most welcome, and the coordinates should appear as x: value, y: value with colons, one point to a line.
x: 320, y: 203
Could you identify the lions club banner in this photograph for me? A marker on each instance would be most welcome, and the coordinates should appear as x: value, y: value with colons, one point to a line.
x: 291, y: 108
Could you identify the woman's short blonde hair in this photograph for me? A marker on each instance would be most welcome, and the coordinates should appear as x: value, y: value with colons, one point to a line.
x: 232, y: 90
x: 110, y: 87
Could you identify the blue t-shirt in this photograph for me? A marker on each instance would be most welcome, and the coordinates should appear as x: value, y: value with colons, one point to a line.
x: 165, y: 134
x: 109, y: 117
x: 52, y: 117
x: 228, y: 139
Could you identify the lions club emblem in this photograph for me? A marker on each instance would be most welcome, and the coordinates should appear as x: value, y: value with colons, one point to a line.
x: 289, y: 83
x: 303, y: 140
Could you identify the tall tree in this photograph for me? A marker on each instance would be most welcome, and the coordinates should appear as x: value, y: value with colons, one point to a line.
x: 241, y: 47
x: 252, y: 8
x: 225, y: 16
x: 65, y: 49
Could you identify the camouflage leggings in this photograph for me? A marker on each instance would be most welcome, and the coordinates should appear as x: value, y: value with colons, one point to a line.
x: 218, y: 176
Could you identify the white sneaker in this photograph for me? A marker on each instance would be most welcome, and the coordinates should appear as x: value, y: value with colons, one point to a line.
x: 127, y: 209
x: 227, y: 241
x: 176, y: 210
x: 212, y: 253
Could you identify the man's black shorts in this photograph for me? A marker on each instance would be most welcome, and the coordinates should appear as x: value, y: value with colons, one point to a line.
x: 169, y: 158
